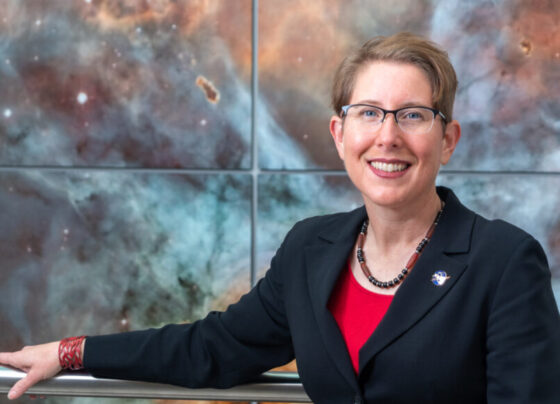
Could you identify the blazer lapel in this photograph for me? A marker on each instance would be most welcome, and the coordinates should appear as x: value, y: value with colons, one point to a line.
x: 324, y: 262
x: 417, y: 295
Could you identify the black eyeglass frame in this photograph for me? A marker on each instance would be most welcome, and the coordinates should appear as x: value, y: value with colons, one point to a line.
x: 436, y: 112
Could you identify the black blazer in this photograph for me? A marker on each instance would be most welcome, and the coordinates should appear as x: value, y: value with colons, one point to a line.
x: 490, y: 334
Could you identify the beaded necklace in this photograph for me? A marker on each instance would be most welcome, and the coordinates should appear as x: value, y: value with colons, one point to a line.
x: 409, y: 265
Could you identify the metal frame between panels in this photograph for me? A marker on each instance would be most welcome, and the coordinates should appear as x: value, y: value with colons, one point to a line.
x: 255, y: 171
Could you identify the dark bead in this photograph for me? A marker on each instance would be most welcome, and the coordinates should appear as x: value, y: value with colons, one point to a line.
x: 400, y: 276
x: 404, y: 271
x: 422, y: 245
x: 370, y: 278
x: 390, y: 283
x: 385, y: 284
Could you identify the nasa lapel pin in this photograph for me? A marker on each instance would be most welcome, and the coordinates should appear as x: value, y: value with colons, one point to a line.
x: 439, y: 278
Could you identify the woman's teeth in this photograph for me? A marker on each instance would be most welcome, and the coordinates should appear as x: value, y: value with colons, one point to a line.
x: 388, y: 167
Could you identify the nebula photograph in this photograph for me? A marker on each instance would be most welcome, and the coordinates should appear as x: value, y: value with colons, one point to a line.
x: 154, y: 153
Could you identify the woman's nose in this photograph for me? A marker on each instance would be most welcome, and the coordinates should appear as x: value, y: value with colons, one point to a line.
x: 389, y: 133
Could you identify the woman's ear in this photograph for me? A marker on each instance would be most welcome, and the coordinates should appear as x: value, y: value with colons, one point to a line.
x: 337, y: 134
x: 451, y: 137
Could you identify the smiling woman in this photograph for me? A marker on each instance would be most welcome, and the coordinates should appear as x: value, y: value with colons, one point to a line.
x: 412, y: 287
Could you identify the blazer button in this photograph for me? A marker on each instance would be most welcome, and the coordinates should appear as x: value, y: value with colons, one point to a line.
x: 358, y: 400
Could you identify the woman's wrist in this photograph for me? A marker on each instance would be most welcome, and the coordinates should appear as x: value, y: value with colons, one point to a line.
x: 71, y: 353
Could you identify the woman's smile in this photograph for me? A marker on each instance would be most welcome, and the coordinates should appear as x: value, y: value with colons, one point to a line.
x: 389, y: 168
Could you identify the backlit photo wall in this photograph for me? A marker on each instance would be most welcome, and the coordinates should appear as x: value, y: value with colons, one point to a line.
x: 154, y: 153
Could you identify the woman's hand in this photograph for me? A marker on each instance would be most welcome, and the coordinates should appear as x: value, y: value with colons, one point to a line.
x: 40, y: 362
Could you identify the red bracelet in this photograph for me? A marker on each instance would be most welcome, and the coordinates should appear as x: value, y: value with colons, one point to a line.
x: 70, y: 353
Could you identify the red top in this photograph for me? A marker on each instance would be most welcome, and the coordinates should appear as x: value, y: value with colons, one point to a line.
x: 357, y: 311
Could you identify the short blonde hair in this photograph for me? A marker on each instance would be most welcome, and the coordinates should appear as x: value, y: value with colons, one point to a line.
x: 403, y: 47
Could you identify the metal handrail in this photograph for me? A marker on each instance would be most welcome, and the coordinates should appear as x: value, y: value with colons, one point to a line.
x: 271, y: 386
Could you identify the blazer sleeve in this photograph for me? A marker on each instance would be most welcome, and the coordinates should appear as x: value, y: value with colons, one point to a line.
x: 221, y: 350
x: 523, y: 334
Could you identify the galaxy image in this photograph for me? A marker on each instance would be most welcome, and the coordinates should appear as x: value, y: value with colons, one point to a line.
x: 154, y: 153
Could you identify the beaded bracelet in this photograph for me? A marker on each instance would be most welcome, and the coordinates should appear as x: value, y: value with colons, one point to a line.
x: 70, y: 353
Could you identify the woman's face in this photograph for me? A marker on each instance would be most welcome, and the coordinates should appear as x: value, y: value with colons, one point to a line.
x: 392, y: 168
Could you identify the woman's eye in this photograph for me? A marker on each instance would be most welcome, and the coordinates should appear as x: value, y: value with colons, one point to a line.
x: 413, y: 116
x: 369, y: 113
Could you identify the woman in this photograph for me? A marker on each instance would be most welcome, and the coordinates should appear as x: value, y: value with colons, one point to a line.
x: 471, y: 317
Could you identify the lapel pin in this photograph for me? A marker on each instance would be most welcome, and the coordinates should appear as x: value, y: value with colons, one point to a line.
x: 439, y: 278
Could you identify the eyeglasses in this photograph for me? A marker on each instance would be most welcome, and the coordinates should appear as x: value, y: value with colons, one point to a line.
x: 411, y: 120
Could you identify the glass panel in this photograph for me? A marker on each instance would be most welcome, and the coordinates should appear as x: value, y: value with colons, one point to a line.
x: 136, y: 84
x: 506, y: 63
x: 285, y: 199
x: 101, y: 252
x: 528, y: 201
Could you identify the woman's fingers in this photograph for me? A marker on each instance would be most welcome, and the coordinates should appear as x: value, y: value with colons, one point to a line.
x: 39, y: 361
x: 6, y: 359
x: 18, y: 389
x: 22, y: 386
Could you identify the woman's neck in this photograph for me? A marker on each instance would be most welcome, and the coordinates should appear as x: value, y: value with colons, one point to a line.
x: 392, y: 228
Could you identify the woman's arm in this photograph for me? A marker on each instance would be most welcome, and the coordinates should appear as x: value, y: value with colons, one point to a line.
x: 221, y: 350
